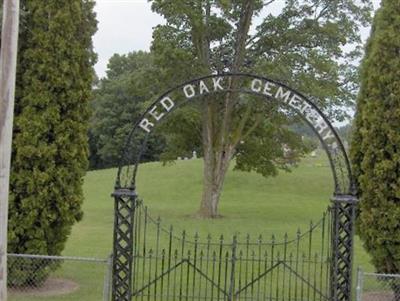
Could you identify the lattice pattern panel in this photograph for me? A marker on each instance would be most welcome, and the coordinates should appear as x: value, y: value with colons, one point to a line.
x: 123, y: 244
x: 342, y: 251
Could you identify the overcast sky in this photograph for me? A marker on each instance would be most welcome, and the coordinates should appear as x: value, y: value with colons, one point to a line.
x: 127, y: 25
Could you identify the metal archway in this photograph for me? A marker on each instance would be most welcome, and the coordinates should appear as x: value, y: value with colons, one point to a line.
x: 344, y: 197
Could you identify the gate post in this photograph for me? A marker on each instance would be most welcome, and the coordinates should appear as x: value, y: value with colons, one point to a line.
x: 343, y: 223
x: 125, y: 203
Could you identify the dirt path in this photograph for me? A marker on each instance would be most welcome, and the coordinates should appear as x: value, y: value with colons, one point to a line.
x: 377, y: 296
x: 52, y: 287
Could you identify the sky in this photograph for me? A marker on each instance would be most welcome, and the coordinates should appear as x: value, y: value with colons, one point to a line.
x: 127, y: 25
x: 124, y: 26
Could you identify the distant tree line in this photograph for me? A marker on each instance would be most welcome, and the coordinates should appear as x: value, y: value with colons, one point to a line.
x: 119, y: 99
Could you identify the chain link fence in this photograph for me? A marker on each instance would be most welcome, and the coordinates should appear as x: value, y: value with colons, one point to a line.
x: 377, y: 287
x: 56, y: 278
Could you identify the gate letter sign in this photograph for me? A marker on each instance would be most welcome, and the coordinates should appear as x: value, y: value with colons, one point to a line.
x: 258, y: 86
x: 251, y: 84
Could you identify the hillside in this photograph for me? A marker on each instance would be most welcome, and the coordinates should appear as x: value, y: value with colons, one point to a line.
x: 250, y: 203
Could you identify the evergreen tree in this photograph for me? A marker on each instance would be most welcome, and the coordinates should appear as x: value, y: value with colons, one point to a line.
x: 376, y: 139
x: 55, y: 74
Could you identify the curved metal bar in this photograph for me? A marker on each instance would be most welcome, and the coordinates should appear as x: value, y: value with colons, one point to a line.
x: 344, y: 184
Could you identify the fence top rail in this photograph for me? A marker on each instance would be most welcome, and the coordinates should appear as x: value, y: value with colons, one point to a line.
x: 382, y: 275
x: 50, y: 257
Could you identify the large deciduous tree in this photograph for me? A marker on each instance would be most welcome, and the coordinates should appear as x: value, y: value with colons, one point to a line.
x: 50, y: 149
x: 301, y: 45
x: 376, y: 139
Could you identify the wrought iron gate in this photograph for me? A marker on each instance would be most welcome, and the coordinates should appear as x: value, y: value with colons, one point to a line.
x: 179, y: 266
x: 241, y: 268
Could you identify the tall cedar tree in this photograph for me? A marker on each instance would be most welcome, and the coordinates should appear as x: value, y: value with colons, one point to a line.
x: 301, y: 45
x: 55, y: 74
x: 376, y: 139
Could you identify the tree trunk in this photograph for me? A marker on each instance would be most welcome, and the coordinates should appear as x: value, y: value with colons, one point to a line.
x: 218, y: 146
x: 215, y: 168
x: 217, y: 156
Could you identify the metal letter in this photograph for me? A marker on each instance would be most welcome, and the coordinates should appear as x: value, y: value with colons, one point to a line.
x: 217, y: 85
x: 267, y: 88
x: 157, y: 116
x: 203, y: 88
x: 254, y: 84
x: 189, y: 91
x: 167, y: 103
x: 146, y: 125
x: 283, y: 96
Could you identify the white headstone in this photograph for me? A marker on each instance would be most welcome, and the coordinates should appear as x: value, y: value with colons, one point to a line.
x: 194, y: 155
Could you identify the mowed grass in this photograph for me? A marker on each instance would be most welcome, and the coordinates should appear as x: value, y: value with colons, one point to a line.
x: 250, y: 204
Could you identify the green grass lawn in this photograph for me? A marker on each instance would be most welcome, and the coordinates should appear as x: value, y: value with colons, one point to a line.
x: 249, y: 204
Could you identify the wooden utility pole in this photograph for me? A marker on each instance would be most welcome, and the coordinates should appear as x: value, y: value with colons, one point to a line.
x: 8, y: 64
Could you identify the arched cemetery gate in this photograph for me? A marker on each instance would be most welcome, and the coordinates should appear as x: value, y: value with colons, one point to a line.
x: 154, y: 263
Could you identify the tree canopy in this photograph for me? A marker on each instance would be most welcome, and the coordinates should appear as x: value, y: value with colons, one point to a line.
x: 302, y: 46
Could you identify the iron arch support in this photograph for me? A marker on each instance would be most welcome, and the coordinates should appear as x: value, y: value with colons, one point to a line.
x: 344, y: 197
